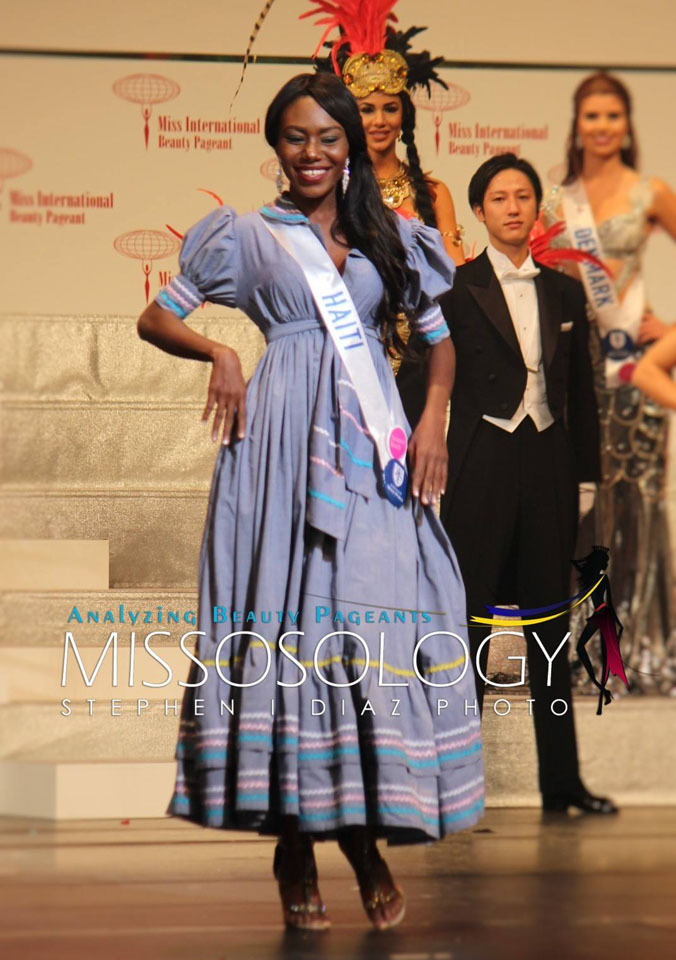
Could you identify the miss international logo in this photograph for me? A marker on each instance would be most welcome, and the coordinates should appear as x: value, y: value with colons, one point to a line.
x: 439, y: 100
x: 146, y: 89
x: 594, y: 584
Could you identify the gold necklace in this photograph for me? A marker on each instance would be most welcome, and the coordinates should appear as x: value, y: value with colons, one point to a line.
x: 396, y: 189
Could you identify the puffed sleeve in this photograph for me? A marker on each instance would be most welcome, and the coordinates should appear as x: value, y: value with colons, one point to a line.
x: 431, y: 275
x: 208, y: 264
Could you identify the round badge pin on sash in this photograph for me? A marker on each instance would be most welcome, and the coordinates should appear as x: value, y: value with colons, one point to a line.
x: 618, y: 348
x: 395, y: 474
x: 617, y: 345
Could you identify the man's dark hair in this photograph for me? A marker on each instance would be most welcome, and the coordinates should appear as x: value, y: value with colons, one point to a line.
x: 480, y: 182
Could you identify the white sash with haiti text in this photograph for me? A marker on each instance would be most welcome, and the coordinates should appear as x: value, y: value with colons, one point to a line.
x: 345, y: 328
x: 619, y: 322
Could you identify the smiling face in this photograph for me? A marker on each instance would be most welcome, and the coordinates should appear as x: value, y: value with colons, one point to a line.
x: 381, y: 115
x: 509, y: 209
x: 602, y: 124
x: 312, y: 149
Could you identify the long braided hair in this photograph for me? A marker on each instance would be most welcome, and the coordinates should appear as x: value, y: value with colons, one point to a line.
x: 423, y: 197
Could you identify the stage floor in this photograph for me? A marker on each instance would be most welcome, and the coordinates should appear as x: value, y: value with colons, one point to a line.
x: 517, y: 886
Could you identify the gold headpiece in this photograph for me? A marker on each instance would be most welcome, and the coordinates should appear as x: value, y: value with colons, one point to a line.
x: 363, y: 31
x: 386, y: 71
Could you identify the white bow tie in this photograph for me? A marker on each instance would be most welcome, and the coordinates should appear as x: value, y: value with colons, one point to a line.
x: 523, y: 273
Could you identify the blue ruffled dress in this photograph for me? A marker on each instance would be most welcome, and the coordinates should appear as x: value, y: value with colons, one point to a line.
x: 297, y: 522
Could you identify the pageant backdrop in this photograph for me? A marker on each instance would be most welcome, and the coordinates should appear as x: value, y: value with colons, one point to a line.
x: 103, y: 161
x: 103, y: 164
x: 107, y: 155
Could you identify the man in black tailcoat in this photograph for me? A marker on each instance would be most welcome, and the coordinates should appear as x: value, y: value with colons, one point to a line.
x: 523, y: 434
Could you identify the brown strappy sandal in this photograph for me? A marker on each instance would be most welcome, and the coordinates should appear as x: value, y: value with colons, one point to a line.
x: 295, y: 867
x: 378, y: 889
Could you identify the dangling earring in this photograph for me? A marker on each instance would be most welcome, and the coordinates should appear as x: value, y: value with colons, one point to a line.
x: 578, y: 141
x: 279, y: 179
x: 346, y: 177
x: 626, y: 141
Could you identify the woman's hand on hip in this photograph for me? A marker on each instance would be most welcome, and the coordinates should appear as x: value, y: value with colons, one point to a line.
x: 428, y: 457
x: 226, y: 395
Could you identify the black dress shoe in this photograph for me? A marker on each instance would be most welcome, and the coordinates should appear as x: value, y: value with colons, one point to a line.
x: 581, y: 799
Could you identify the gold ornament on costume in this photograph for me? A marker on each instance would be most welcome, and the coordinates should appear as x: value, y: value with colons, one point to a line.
x: 394, y: 190
x: 455, y: 235
x: 365, y: 73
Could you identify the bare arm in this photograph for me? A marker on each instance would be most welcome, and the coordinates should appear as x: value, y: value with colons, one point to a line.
x: 440, y: 377
x: 163, y: 329
x: 663, y: 209
x: 652, y: 373
x: 227, y: 389
x: 444, y: 210
x: 663, y: 212
x: 427, y: 446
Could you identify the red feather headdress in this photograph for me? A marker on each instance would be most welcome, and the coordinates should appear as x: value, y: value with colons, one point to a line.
x: 362, y: 24
x: 363, y: 27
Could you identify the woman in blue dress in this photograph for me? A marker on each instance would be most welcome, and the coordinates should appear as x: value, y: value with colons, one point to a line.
x: 322, y: 720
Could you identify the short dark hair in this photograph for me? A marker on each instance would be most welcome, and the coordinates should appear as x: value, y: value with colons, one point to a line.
x: 480, y: 182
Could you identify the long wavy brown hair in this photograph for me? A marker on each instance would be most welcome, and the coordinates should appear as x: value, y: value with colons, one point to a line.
x: 599, y: 83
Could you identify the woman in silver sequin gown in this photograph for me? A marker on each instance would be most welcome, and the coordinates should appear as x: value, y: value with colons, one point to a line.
x: 629, y: 514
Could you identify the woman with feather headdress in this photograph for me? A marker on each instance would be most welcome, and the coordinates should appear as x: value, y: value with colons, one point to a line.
x: 376, y: 63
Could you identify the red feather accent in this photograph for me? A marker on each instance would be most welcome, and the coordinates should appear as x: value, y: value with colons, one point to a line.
x: 541, y: 250
x: 200, y: 190
x: 362, y: 24
x: 211, y: 193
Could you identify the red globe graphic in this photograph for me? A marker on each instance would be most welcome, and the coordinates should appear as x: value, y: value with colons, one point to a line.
x: 12, y: 164
x: 146, y: 89
x: 146, y: 245
x: 269, y: 169
x: 438, y: 101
